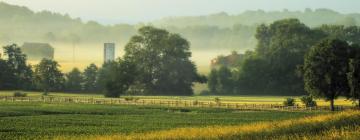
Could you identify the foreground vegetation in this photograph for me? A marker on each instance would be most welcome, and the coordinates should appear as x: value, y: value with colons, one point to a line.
x: 342, y: 125
x: 39, y: 120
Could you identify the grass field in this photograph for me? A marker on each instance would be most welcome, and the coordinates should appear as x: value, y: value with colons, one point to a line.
x: 341, y: 125
x: 43, y: 121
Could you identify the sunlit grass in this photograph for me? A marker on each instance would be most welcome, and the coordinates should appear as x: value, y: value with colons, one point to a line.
x: 339, y: 125
x: 37, y: 120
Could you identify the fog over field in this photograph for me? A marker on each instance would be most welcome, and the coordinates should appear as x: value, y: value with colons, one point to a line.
x: 210, y: 32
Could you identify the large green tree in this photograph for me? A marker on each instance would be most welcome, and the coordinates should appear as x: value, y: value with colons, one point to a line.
x: 212, y: 81
x: 120, y: 76
x: 281, y: 48
x: 163, y: 62
x: 48, y: 77
x: 5, y: 75
x: 20, y: 73
x: 325, y: 69
x: 74, y: 80
x: 90, y: 77
x: 354, y: 75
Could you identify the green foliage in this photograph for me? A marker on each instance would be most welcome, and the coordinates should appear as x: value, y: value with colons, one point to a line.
x: 5, y: 75
x: 20, y: 74
x: 90, y: 78
x: 325, y: 69
x: 48, y: 77
x: 163, y: 62
x: 308, y: 101
x: 212, y: 81
x: 353, y: 75
x: 221, y: 81
x: 121, y: 74
x: 74, y: 80
x: 289, y: 102
x: 272, y: 67
x: 19, y: 94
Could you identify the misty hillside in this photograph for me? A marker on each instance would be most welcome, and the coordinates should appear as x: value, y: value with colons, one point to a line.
x: 217, y: 31
x: 310, y: 17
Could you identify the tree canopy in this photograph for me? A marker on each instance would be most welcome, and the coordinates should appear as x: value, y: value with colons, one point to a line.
x: 325, y: 69
x: 48, y: 76
x: 162, y: 59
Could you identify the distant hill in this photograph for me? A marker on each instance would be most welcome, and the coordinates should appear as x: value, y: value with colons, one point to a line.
x: 310, y: 17
x: 216, y: 31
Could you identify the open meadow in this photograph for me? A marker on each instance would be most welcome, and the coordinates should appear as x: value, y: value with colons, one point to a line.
x: 71, y: 120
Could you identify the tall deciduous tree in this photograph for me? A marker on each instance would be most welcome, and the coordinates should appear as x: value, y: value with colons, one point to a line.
x: 225, y: 81
x: 20, y: 73
x: 90, y: 77
x: 354, y: 75
x: 325, y: 69
x: 213, y: 81
x: 121, y: 77
x: 74, y: 80
x: 5, y: 75
x: 162, y: 59
x: 48, y: 76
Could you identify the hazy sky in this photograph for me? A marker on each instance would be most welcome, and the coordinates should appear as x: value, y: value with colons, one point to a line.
x: 133, y: 11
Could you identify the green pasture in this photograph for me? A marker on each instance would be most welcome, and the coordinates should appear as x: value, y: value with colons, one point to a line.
x: 40, y: 120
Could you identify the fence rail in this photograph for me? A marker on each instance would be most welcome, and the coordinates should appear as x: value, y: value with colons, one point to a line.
x: 167, y: 102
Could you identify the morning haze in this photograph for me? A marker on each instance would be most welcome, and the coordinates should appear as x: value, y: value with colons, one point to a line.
x: 135, y: 11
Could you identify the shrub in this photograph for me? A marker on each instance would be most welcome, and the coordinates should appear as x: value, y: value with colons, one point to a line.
x: 289, y: 102
x: 308, y: 101
x: 19, y: 94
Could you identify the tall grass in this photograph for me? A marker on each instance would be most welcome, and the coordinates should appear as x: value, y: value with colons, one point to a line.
x: 337, y: 125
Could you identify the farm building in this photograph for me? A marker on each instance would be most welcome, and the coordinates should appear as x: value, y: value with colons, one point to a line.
x: 38, y: 51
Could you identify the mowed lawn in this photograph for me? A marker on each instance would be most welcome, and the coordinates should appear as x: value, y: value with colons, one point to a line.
x: 42, y: 121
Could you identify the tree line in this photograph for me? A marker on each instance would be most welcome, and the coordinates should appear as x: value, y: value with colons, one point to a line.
x: 156, y: 62
x: 285, y: 62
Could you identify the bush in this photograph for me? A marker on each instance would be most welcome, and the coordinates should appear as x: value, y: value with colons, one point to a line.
x: 289, y: 102
x: 308, y: 101
x: 19, y: 94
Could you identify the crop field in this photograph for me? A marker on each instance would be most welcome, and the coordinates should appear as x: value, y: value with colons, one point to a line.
x: 44, y: 121
x: 341, y: 125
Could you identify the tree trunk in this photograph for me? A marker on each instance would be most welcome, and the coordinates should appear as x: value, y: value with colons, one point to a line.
x: 332, y: 108
x: 359, y: 103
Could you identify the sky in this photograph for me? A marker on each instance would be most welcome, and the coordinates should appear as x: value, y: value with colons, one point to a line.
x: 135, y: 11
